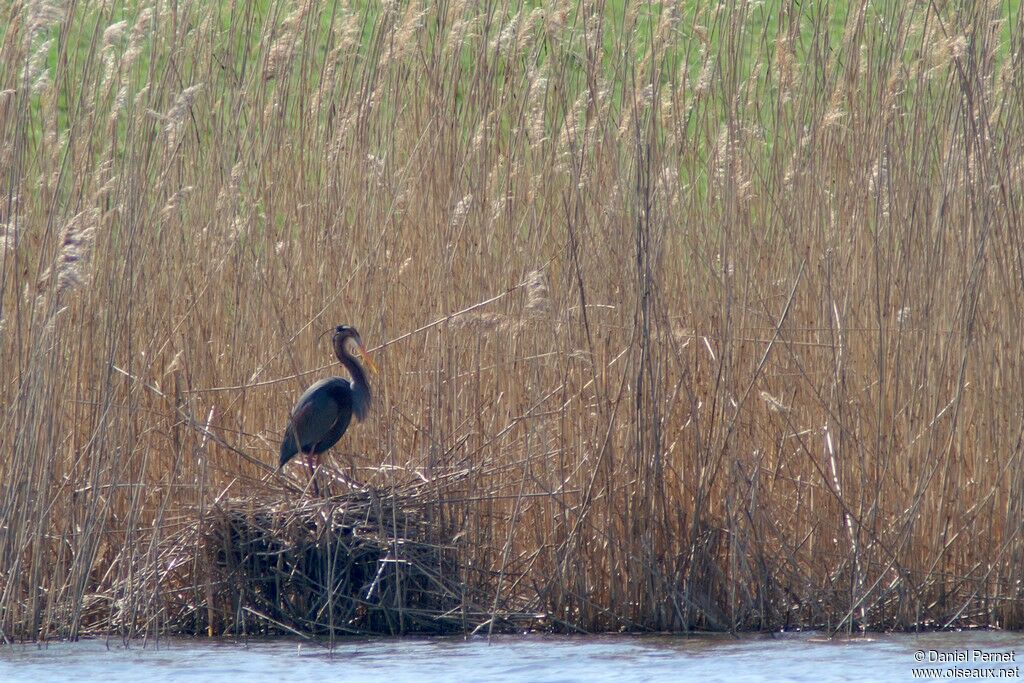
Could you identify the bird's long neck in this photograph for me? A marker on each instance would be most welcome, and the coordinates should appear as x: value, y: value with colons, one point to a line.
x: 360, y: 387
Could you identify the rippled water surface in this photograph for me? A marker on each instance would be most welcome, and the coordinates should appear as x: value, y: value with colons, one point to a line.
x: 788, y: 657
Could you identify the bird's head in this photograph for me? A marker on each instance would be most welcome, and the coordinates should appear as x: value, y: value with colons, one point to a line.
x: 347, y: 340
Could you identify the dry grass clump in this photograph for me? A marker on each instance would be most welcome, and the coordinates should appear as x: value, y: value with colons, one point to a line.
x: 367, y: 561
x: 714, y: 309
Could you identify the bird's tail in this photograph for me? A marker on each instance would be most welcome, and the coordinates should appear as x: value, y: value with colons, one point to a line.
x: 289, y: 448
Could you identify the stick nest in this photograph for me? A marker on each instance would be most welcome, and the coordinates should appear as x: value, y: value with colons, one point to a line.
x: 364, y: 562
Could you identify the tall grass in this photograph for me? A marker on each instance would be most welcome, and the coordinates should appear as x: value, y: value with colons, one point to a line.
x: 750, y: 355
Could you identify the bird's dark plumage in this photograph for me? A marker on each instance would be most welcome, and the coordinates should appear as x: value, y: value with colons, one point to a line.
x: 320, y: 418
x: 324, y: 411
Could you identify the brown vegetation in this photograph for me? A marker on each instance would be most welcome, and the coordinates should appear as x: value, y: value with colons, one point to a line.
x: 750, y: 279
x: 364, y: 562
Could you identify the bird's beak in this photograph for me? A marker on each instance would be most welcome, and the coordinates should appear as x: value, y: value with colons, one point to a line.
x: 366, y: 358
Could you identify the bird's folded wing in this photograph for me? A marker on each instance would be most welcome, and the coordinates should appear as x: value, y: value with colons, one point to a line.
x: 314, y: 420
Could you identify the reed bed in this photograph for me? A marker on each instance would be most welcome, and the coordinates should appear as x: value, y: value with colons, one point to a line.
x: 689, y: 316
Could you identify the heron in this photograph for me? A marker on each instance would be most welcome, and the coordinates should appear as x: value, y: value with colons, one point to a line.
x: 323, y: 412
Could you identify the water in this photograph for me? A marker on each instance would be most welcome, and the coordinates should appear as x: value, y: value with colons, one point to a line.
x: 788, y: 657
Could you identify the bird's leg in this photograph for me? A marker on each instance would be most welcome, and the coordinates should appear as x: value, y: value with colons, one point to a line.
x: 312, y: 473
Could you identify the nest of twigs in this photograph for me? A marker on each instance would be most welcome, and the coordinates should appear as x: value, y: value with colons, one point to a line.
x: 364, y: 562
